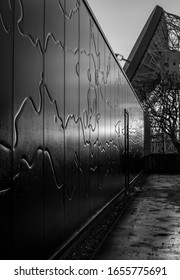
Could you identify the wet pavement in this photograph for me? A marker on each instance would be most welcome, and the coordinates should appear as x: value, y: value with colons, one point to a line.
x: 150, y: 227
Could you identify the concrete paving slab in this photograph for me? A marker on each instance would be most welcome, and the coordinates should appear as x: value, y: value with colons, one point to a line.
x: 150, y: 227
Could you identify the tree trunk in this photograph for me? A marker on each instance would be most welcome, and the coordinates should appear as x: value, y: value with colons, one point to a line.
x: 176, y: 144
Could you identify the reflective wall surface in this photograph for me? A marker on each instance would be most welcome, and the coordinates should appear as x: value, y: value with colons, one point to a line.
x: 62, y: 129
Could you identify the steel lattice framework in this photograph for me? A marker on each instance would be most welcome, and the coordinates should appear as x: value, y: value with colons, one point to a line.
x: 173, y: 27
x: 154, y: 58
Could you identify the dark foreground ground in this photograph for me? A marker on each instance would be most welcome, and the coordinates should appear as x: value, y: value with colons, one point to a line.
x: 150, y: 227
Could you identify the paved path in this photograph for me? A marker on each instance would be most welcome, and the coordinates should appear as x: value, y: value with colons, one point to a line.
x: 150, y: 227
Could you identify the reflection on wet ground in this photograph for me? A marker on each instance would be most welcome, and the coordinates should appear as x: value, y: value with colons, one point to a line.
x: 150, y: 227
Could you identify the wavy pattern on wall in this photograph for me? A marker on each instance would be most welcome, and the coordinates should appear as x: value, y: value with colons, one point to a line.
x: 4, y: 25
x: 5, y: 152
x: 34, y: 41
x: 67, y: 152
x: 3, y: 21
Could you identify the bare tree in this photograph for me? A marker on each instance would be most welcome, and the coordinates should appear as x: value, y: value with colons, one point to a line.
x: 161, y: 101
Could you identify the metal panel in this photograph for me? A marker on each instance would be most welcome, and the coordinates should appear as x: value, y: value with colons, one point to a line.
x: 102, y: 121
x: 113, y: 123
x: 116, y: 131
x: 93, y: 111
x: 72, y: 161
x: 54, y: 125
x: 135, y: 137
x: 119, y: 128
x: 28, y: 129
x: 6, y: 52
x: 108, y: 58
x: 85, y: 193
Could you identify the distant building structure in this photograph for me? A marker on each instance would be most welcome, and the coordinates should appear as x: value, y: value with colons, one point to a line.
x: 155, y: 54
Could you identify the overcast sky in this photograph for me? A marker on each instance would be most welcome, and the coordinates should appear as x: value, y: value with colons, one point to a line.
x: 123, y: 20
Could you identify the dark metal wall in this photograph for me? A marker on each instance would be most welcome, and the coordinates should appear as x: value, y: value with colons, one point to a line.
x: 62, y: 100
